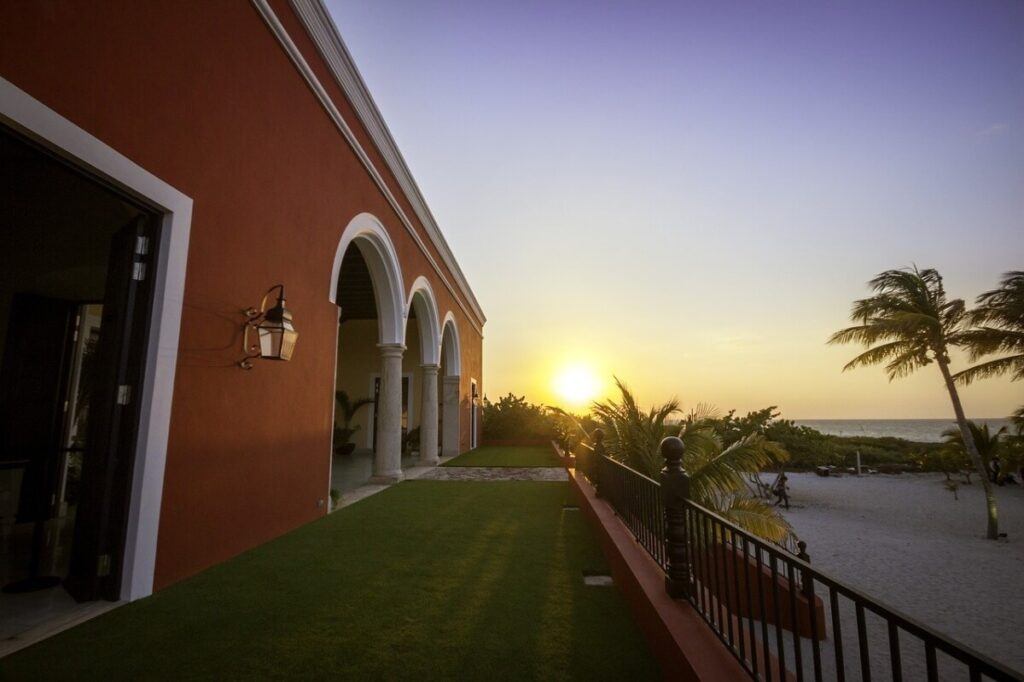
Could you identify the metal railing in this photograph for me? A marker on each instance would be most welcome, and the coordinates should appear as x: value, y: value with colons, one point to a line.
x: 637, y: 501
x: 779, y: 616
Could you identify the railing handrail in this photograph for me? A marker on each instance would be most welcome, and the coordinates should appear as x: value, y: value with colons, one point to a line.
x: 633, y: 471
x: 952, y: 647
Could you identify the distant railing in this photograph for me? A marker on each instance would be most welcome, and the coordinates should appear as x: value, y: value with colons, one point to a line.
x: 779, y: 616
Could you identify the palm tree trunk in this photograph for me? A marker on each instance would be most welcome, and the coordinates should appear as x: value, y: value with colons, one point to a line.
x: 972, y: 451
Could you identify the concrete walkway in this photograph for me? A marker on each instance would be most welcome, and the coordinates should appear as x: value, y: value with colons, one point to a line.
x: 442, y: 473
x: 364, y: 491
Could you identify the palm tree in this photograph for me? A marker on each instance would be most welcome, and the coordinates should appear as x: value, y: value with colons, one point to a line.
x: 1013, y: 460
x: 990, y: 445
x: 633, y: 436
x: 718, y: 478
x: 908, y: 324
x: 631, y: 433
x: 999, y: 321
x: 347, y: 410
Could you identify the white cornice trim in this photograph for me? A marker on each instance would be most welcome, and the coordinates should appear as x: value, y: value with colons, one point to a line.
x: 321, y: 27
x: 322, y: 30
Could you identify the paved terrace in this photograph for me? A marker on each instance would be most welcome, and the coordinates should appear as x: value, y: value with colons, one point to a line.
x: 428, y: 579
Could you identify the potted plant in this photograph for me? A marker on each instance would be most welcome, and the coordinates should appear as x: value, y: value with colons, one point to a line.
x: 347, y: 411
x: 411, y: 441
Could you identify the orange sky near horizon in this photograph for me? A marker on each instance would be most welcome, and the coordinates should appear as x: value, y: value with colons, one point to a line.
x: 802, y: 377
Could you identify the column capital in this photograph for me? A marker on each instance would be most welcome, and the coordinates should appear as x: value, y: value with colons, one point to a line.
x: 391, y: 350
x: 430, y: 369
x: 452, y: 379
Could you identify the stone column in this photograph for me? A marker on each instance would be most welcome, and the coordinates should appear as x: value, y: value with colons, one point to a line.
x: 387, y: 461
x: 450, y: 437
x: 428, y: 416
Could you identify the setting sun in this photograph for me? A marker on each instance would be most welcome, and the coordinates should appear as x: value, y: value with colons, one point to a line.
x: 577, y: 384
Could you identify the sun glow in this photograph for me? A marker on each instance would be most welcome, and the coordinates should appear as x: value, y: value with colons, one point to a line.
x: 577, y: 385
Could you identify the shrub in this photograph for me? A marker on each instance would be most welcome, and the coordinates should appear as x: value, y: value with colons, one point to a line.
x: 514, y: 419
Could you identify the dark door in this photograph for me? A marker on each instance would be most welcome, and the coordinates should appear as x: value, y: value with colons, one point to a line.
x: 100, y: 524
x: 32, y: 386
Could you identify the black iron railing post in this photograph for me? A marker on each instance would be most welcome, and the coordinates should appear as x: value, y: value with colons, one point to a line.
x: 595, y: 461
x: 675, y: 489
x: 805, y: 575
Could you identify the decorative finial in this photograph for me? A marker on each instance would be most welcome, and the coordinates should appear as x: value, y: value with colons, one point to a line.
x: 672, y: 449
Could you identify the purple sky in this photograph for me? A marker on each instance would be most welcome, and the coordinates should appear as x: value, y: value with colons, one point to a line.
x: 691, y: 195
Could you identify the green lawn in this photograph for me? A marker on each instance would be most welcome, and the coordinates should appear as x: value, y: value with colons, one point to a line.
x: 507, y: 456
x: 426, y: 580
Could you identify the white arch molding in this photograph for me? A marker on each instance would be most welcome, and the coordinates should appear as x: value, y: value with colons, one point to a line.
x: 421, y: 297
x: 451, y: 346
x: 367, y: 233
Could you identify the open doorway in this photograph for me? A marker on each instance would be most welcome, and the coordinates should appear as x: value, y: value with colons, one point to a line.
x: 75, y: 296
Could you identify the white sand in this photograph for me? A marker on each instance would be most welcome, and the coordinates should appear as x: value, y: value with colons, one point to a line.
x: 904, y: 540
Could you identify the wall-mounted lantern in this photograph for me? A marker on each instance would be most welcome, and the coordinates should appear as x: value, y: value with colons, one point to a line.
x: 274, y: 331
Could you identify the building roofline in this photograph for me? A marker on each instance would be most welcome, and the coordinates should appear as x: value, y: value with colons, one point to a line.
x: 321, y: 28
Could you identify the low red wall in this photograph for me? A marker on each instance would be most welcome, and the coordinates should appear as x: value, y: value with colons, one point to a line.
x: 680, y: 639
x: 728, y: 574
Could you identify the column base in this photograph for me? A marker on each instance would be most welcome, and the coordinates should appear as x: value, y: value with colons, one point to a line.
x: 430, y: 462
x: 387, y: 478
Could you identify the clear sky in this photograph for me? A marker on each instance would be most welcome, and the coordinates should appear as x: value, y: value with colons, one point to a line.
x: 690, y: 195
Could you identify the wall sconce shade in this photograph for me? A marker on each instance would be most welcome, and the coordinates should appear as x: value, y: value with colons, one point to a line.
x: 277, y: 334
x: 274, y: 330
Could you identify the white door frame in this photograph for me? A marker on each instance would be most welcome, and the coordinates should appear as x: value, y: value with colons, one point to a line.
x: 30, y: 117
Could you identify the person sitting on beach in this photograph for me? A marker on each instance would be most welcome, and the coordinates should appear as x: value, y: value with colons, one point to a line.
x: 781, y: 490
x: 994, y: 468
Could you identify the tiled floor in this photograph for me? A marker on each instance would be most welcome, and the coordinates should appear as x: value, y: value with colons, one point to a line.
x: 411, y: 471
x: 24, y: 616
x: 45, y: 616
x: 349, y: 472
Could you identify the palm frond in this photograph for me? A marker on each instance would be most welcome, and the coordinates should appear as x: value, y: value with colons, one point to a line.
x: 906, y: 324
x: 723, y: 472
x: 1014, y: 365
x: 756, y: 517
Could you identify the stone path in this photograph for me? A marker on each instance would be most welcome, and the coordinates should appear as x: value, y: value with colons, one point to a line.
x: 496, y: 474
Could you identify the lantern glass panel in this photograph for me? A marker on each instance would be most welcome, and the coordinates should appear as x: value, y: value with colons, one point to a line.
x: 270, y: 341
x: 288, y: 338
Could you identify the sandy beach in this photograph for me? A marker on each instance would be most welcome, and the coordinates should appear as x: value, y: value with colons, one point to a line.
x: 905, y: 540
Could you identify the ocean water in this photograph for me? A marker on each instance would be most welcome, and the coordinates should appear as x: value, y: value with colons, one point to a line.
x: 919, y: 430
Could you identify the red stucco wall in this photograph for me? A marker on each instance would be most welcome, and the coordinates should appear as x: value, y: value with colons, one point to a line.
x: 208, y: 101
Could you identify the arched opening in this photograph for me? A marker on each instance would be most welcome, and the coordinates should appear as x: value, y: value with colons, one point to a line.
x: 371, y: 398
x: 423, y: 346
x: 451, y: 377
